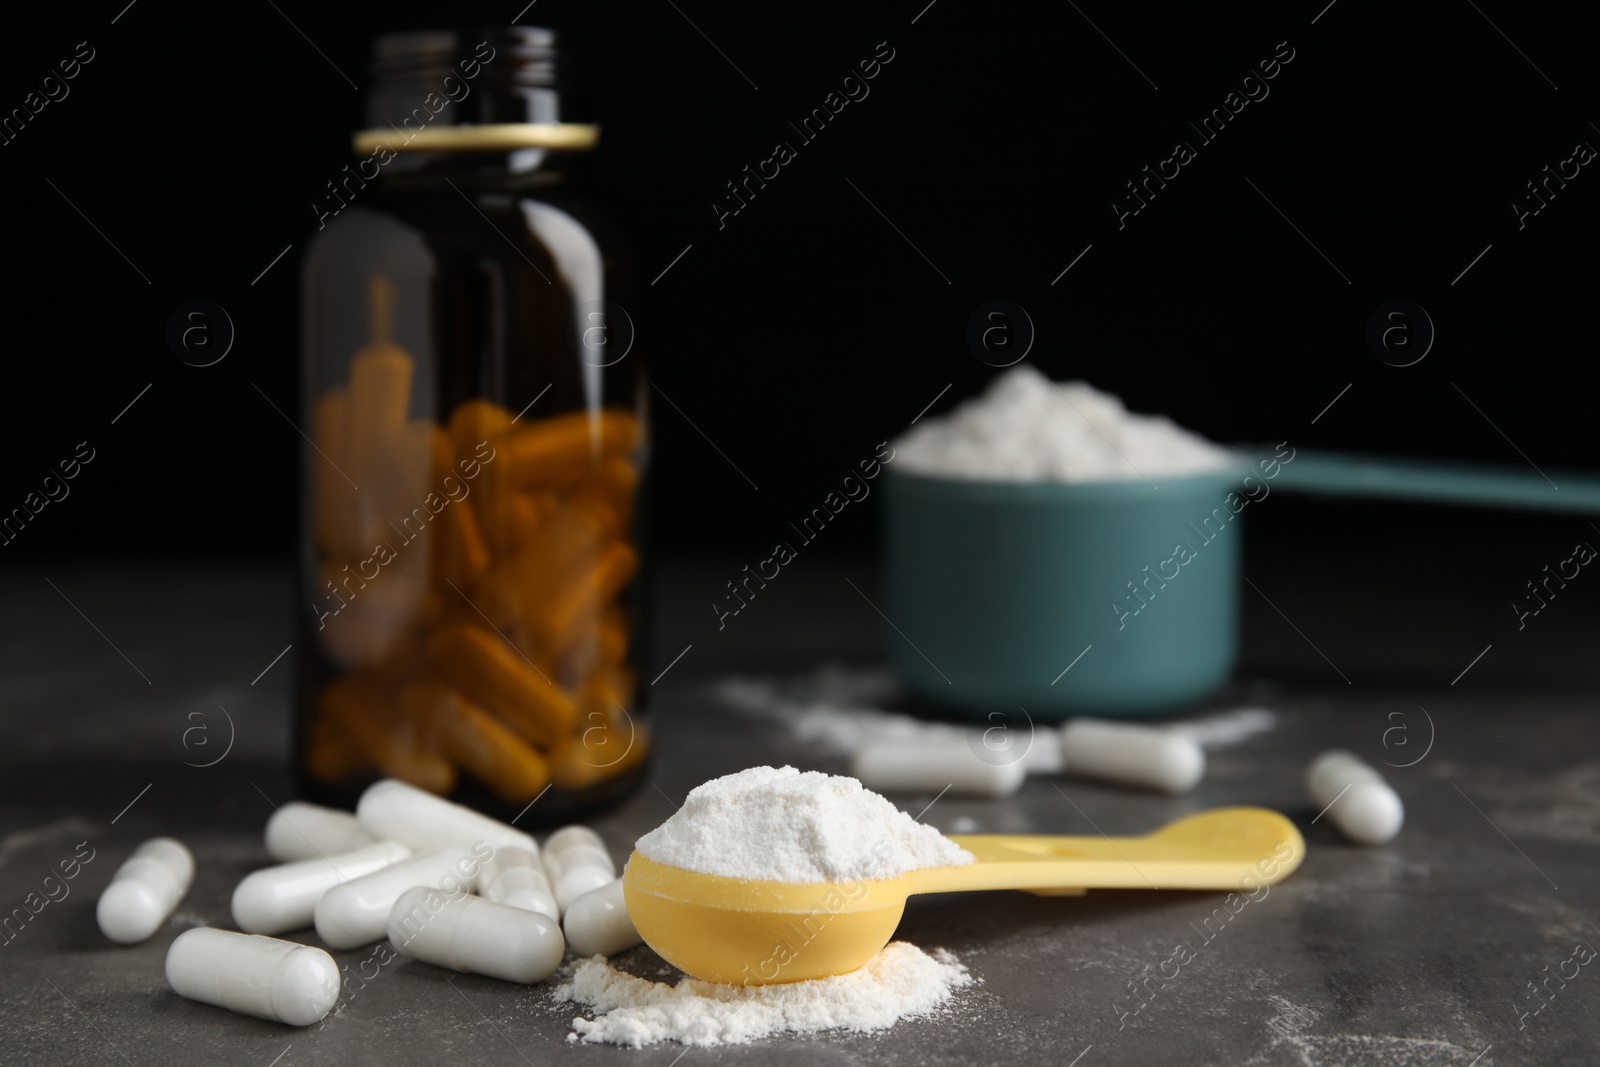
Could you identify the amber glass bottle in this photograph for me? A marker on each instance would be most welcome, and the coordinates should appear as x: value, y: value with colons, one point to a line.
x: 471, y: 548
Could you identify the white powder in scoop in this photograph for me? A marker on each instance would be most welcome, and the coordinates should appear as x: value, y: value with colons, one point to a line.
x: 1028, y: 428
x: 779, y: 824
x: 901, y: 982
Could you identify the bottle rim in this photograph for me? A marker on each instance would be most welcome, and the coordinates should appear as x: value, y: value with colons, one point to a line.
x: 502, y: 89
x: 494, y: 137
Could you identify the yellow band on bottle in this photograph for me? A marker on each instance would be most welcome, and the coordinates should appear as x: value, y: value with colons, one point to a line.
x: 560, y: 136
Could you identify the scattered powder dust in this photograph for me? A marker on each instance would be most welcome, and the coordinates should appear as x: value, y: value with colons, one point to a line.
x: 838, y: 709
x: 1290, y: 1041
x: 835, y: 709
x: 1552, y: 918
x: 1561, y: 806
x: 781, y: 824
x: 1027, y: 428
x: 1226, y: 728
x: 900, y: 982
x: 23, y: 839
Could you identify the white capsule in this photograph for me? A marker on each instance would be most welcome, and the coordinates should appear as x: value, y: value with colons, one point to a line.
x: 1355, y: 797
x: 936, y: 765
x: 298, y: 831
x: 145, y: 890
x: 576, y: 860
x: 598, y: 922
x: 283, y: 898
x: 354, y: 913
x: 394, y: 811
x: 576, y: 834
x: 253, y: 975
x: 516, y: 878
x: 1148, y: 757
x: 475, y: 936
x: 1044, y: 751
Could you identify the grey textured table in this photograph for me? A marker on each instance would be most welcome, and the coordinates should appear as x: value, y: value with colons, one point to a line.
x: 1419, y: 953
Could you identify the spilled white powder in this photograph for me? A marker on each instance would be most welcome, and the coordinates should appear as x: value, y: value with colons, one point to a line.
x: 779, y: 824
x: 901, y: 982
x: 1225, y: 729
x: 1028, y: 428
x: 839, y: 709
x: 835, y: 709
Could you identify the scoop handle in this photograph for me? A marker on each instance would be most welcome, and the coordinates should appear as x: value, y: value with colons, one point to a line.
x: 1523, y: 488
x: 1226, y: 848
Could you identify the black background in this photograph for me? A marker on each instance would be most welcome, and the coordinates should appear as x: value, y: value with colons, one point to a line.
x: 808, y: 329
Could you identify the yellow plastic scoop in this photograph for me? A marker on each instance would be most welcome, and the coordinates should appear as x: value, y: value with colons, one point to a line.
x: 740, y: 931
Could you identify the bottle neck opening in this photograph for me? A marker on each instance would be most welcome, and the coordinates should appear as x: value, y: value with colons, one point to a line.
x: 493, y: 90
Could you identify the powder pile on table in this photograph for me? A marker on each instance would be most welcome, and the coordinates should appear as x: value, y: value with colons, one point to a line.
x: 779, y: 824
x: 901, y: 982
x: 1027, y: 428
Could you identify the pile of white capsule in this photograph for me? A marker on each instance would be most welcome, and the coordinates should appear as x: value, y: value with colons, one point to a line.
x: 451, y: 887
x: 441, y: 882
x: 1355, y: 797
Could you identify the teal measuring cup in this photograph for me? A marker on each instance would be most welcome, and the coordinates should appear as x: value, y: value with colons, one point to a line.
x: 1117, y: 598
